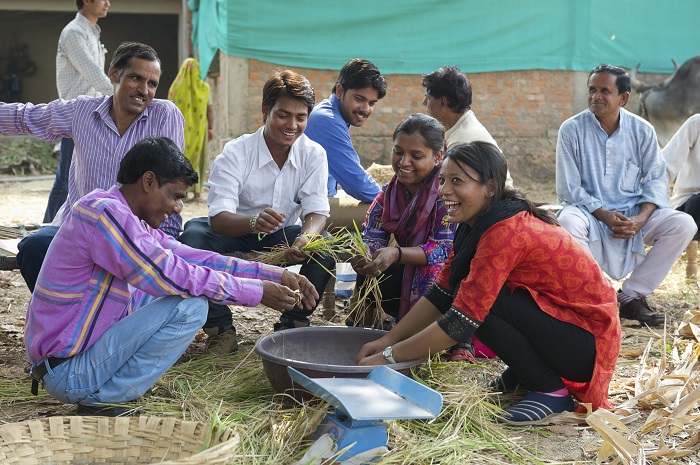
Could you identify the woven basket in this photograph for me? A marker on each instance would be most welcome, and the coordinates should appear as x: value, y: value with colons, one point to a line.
x: 120, y: 440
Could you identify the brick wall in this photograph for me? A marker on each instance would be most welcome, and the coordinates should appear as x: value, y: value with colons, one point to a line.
x: 521, y: 109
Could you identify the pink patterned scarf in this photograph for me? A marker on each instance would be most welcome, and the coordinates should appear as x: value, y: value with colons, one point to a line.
x: 410, y: 222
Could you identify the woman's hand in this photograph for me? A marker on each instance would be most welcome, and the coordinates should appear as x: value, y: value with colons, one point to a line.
x: 376, y: 359
x: 381, y: 260
x: 372, y: 348
x: 358, y: 263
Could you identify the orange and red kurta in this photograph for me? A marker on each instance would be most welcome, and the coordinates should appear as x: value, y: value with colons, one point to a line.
x: 563, y: 279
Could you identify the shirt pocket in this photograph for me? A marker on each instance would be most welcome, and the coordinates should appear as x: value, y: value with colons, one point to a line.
x: 250, y: 199
x: 631, y: 178
x: 291, y: 206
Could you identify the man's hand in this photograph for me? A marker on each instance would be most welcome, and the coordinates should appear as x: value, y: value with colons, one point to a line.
x: 269, y: 221
x: 294, y: 254
x: 621, y: 226
x: 381, y: 260
x: 632, y: 226
x: 278, y: 296
x: 300, y: 283
x: 376, y: 359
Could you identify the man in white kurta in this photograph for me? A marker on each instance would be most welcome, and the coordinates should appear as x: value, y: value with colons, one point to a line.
x: 682, y: 155
x: 611, y: 180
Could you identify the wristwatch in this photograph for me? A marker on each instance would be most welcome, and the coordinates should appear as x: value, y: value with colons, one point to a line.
x: 389, y: 354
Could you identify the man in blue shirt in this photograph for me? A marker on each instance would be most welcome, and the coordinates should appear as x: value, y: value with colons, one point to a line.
x: 611, y: 180
x: 359, y: 87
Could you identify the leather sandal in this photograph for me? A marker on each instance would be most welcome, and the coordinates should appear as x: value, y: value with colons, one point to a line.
x: 461, y: 352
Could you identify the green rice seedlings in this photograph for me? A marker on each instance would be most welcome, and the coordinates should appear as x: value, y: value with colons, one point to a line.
x: 366, y: 304
x: 329, y: 244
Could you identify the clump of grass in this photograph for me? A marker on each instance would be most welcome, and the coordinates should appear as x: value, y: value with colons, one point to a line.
x: 328, y: 244
x: 366, y: 305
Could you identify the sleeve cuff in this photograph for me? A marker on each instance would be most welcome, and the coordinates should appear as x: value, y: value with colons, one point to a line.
x: 319, y: 206
x: 272, y: 273
x: 440, y: 297
x: 457, y: 325
x: 251, y: 292
x: 591, y: 207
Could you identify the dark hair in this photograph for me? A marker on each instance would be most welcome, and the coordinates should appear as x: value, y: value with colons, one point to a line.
x: 79, y: 4
x: 623, y: 81
x: 359, y: 73
x: 288, y: 83
x: 451, y: 83
x: 159, y: 155
x: 490, y: 164
x: 128, y: 50
x: 428, y: 127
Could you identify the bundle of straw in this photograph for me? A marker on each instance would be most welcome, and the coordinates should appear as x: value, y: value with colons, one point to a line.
x: 366, y: 304
x: 328, y: 244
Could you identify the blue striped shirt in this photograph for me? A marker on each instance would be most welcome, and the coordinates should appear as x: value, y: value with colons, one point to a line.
x: 98, y: 146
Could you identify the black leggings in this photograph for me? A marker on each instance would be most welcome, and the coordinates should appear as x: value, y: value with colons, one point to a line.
x: 692, y: 207
x: 539, y: 348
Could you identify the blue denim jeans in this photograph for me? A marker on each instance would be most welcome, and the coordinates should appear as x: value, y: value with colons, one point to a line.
x: 59, y: 191
x: 198, y: 234
x: 32, y: 251
x: 131, y: 355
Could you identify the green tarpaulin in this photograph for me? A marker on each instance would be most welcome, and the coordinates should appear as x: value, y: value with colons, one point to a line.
x: 418, y: 36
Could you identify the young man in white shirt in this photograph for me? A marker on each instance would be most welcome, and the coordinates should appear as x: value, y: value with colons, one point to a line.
x: 267, y: 188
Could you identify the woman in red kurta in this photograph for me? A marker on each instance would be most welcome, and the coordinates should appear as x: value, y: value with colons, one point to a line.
x: 521, y: 284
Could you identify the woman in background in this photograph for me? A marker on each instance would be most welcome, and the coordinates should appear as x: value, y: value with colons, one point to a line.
x: 191, y: 95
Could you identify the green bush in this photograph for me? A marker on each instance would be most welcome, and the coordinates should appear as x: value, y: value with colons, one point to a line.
x: 26, y: 156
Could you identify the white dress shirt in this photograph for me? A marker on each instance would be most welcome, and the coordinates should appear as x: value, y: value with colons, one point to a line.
x: 682, y: 155
x: 469, y: 129
x: 80, y: 61
x: 244, y: 179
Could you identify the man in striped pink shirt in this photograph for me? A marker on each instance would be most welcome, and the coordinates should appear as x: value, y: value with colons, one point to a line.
x: 108, y: 319
x: 103, y: 129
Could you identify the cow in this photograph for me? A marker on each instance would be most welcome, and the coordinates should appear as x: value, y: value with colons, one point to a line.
x: 668, y: 104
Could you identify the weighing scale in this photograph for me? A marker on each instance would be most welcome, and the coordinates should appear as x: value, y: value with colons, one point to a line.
x: 362, y: 404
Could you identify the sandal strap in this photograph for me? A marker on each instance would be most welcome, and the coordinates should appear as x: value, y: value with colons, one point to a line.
x: 461, y: 355
x: 536, y: 408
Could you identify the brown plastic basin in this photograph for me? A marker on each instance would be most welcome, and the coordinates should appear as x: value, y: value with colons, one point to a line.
x: 318, y: 352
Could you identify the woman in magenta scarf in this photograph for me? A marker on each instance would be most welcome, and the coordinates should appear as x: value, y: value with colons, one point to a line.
x: 408, y: 208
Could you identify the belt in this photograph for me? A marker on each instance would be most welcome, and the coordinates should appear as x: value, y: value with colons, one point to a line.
x: 38, y: 372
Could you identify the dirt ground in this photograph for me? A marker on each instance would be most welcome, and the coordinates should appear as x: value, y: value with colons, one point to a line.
x: 24, y: 202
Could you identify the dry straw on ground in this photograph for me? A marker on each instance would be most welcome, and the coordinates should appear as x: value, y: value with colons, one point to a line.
x: 655, y: 388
